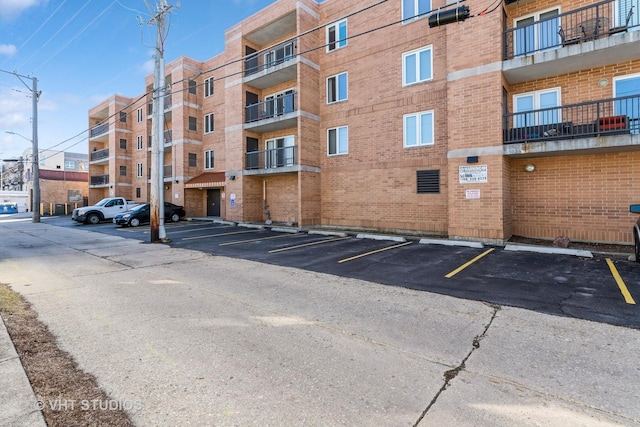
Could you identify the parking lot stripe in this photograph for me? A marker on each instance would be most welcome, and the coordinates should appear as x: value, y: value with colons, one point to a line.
x: 374, y: 252
x: 307, y: 244
x: 623, y: 288
x: 221, y: 234
x: 463, y: 266
x: 258, y: 239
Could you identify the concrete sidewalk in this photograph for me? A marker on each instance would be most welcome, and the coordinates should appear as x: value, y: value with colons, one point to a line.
x: 189, y: 338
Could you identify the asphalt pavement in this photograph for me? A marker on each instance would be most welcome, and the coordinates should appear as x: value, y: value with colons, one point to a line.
x: 184, y: 337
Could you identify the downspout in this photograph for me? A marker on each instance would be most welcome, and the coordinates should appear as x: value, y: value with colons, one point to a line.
x: 264, y: 202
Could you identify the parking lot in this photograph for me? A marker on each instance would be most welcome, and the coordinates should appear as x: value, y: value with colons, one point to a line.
x: 604, y: 288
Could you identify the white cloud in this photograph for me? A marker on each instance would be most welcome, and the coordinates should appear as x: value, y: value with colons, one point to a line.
x: 7, y: 49
x: 9, y: 9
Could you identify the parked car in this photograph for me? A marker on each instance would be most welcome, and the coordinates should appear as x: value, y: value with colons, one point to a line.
x: 141, y: 214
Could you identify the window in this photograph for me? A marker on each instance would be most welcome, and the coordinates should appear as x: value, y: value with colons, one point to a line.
x: 192, y: 87
x: 337, y: 35
x: 337, y: 88
x: 139, y: 142
x: 279, y: 152
x: 628, y: 86
x: 123, y: 143
x: 139, y: 171
x: 123, y: 171
x: 536, y: 101
x: 530, y: 37
x: 138, y: 193
x: 428, y: 181
x: 208, y: 123
x: 139, y: 114
x: 208, y: 87
x: 417, y: 66
x: 208, y: 159
x: 69, y: 165
x: 413, y: 8
x: 193, y: 160
x: 193, y: 123
x: 279, y: 104
x: 123, y: 116
x: 278, y: 55
x: 418, y: 129
x: 338, y: 141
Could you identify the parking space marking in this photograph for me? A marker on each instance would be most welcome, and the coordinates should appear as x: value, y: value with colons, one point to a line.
x: 308, y: 244
x: 221, y: 234
x: 237, y: 242
x: 465, y: 265
x: 623, y: 288
x: 373, y: 252
x: 191, y: 228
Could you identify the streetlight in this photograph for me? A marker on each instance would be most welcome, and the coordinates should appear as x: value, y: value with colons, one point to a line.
x: 35, y: 200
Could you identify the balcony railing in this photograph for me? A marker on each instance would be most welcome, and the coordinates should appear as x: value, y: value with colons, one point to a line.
x: 100, y: 154
x: 99, y: 130
x: 615, y: 116
x: 591, y: 22
x: 272, y: 158
x: 270, y: 57
x: 167, y: 171
x: 270, y: 108
x: 99, y: 179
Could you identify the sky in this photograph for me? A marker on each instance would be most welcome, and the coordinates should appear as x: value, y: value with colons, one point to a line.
x: 84, y: 51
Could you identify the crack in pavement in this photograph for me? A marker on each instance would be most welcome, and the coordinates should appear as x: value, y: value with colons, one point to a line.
x: 452, y: 373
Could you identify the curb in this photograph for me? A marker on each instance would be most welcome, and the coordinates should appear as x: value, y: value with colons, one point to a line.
x: 547, y: 250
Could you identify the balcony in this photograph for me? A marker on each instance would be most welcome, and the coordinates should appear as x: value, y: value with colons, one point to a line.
x: 167, y: 171
x: 100, y: 156
x: 559, y: 44
x: 576, y: 126
x: 98, y: 130
x: 99, y: 180
x: 271, y: 66
x: 275, y: 160
x: 274, y: 113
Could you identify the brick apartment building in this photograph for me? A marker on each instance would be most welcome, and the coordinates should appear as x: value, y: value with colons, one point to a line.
x: 522, y: 120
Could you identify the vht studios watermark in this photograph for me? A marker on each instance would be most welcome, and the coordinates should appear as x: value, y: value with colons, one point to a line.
x: 87, y: 405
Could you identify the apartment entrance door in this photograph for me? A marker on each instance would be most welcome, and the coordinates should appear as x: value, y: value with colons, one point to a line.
x: 213, y: 202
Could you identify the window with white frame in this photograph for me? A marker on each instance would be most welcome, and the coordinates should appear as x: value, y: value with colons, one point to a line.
x: 208, y: 123
x: 337, y: 88
x: 278, y: 55
x: 139, y: 142
x: 280, y: 152
x: 537, y: 32
x: 415, y: 8
x: 537, y: 108
x: 418, y: 129
x: 208, y: 87
x: 208, y: 159
x: 139, y: 170
x: 338, y: 141
x: 417, y: 66
x: 337, y: 35
x: 139, y: 115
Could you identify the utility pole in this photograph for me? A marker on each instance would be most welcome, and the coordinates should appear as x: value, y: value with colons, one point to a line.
x: 35, y: 96
x: 158, y: 232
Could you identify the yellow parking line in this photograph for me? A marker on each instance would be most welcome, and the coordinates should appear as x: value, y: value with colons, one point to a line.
x: 220, y: 234
x: 623, y: 288
x: 307, y: 244
x: 374, y: 252
x: 261, y: 238
x: 462, y: 267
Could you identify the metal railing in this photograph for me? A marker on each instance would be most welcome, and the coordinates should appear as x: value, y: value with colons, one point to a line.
x: 614, y: 116
x: 270, y: 108
x: 270, y: 57
x: 168, y: 171
x: 99, y: 130
x: 100, y: 154
x: 600, y: 19
x: 99, y: 179
x: 272, y: 158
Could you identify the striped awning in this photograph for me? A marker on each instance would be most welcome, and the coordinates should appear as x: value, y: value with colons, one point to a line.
x: 206, y: 180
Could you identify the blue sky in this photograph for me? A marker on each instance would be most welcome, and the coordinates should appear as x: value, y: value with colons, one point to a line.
x: 83, y: 51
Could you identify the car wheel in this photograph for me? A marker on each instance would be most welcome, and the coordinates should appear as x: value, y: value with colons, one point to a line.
x: 134, y: 222
x: 636, y: 241
x: 93, y: 219
x: 175, y: 217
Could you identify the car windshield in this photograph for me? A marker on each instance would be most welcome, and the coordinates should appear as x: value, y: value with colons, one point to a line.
x: 139, y: 207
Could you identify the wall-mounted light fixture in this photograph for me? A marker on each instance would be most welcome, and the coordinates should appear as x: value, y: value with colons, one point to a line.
x: 529, y: 167
x: 232, y: 177
x: 472, y: 159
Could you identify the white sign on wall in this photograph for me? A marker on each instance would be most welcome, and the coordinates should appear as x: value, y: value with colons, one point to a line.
x: 473, y: 194
x: 473, y: 174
